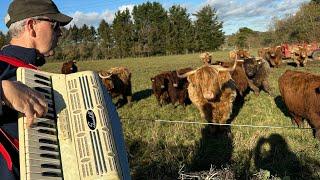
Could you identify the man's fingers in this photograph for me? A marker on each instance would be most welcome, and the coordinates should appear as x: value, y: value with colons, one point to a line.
x: 40, y: 109
x: 30, y: 115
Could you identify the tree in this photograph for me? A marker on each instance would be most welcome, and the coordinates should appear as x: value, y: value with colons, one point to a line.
x: 3, y: 39
x: 122, y: 30
x: 105, y: 36
x: 150, y: 27
x: 208, y: 30
x: 179, y: 35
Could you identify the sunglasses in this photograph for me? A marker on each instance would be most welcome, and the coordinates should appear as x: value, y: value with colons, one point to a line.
x: 55, y: 24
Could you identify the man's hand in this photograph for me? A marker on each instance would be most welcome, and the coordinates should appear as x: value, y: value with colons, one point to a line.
x: 24, y: 99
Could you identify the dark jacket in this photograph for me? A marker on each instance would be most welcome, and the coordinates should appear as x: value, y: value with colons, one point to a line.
x: 8, y: 116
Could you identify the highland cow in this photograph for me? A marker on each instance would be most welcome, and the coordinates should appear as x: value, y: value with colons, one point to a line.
x: 300, y: 92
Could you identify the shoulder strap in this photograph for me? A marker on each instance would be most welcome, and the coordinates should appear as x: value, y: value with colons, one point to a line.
x: 16, y: 62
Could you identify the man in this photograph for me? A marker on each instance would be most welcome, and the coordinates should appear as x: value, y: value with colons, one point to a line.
x: 34, y: 27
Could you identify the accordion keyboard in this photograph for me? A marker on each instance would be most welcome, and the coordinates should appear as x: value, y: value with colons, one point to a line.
x: 42, y: 155
x: 81, y: 136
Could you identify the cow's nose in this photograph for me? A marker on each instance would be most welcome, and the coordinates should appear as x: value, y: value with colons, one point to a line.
x: 208, y: 95
x: 175, y: 85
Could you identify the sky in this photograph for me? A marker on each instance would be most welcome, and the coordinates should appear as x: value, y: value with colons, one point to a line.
x: 254, y: 14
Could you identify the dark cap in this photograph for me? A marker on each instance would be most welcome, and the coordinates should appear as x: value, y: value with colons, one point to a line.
x: 22, y: 9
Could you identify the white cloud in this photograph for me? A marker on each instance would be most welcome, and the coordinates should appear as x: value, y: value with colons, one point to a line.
x: 253, y: 14
x: 91, y: 19
x: 124, y: 7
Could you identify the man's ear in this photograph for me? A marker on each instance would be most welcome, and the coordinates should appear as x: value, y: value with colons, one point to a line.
x: 29, y: 27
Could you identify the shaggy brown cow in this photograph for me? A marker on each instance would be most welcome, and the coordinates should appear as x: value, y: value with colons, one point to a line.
x: 300, y: 56
x: 212, y: 90
x: 118, y: 82
x: 206, y: 58
x: 263, y: 51
x: 258, y: 71
x: 238, y: 54
x: 240, y: 77
x: 274, y: 56
x: 69, y: 67
x: 301, y: 94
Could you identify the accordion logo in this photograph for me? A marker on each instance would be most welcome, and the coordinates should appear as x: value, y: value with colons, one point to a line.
x: 91, y: 120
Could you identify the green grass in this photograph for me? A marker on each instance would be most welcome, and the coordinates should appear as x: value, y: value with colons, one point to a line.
x: 157, y: 150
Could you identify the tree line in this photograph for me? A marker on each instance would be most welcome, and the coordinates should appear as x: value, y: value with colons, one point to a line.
x: 150, y: 30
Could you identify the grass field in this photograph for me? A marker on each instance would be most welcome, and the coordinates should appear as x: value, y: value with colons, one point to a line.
x: 157, y: 150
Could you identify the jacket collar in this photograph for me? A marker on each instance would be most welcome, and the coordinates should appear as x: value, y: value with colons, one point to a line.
x: 28, y: 55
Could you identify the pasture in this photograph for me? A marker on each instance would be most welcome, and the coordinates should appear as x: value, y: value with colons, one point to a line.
x: 157, y: 150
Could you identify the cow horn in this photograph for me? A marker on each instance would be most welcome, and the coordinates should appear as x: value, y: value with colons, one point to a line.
x: 186, y: 74
x: 220, y: 68
x: 104, y: 77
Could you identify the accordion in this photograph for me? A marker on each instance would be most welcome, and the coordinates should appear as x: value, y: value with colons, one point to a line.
x: 81, y: 136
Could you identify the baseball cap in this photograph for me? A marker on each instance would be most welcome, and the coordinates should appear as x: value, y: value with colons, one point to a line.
x: 22, y: 9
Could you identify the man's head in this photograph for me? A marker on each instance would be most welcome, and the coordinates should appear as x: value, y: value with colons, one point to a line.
x: 35, y: 24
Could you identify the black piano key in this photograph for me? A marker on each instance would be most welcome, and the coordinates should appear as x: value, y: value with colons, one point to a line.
x: 51, y: 174
x: 48, y: 148
x: 46, y: 131
x: 50, y: 156
x: 42, y: 77
x: 48, y: 141
x: 43, y: 124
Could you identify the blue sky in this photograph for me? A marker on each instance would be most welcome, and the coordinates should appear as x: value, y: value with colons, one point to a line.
x: 254, y: 14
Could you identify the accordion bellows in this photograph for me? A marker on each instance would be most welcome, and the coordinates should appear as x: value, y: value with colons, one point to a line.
x: 81, y: 136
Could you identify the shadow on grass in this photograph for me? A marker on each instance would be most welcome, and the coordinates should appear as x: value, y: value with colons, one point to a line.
x: 137, y: 96
x: 213, y: 150
x: 281, y: 105
x: 273, y: 154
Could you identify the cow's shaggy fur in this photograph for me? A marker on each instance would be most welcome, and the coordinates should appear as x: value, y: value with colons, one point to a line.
x: 118, y: 82
x: 301, y: 94
x: 69, y: 67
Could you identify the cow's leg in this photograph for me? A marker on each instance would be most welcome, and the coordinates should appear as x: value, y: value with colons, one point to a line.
x: 253, y: 87
x: 315, y: 121
x: 266, y: 87
x: 296, y: 120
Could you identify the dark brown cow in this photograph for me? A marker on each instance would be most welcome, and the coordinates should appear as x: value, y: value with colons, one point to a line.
x: 212, y: 90
x: 167, y: 87
x: 300, y: 56
x: 274, y: 56
x: 69, y: 67
x: 160, y: 86
x: 118, y: 82
x: 240, y: 77
x: 258, y: 71
x: 178, y: 91
x: 301, y: 94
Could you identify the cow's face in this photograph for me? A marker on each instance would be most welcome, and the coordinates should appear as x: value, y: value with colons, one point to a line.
x: 109, y: 84
x: 69, y: 67
x: 205, y: 82
x: 250, y: 66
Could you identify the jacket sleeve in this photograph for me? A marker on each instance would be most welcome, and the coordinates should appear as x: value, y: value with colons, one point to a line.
x: 4, y: 69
